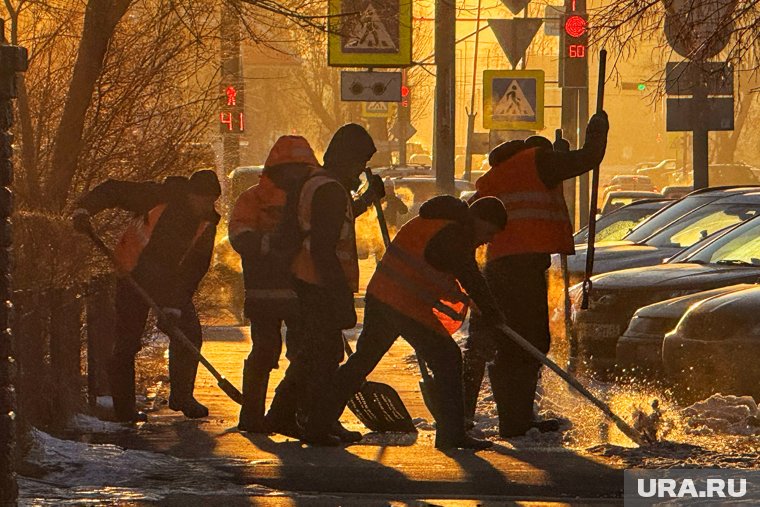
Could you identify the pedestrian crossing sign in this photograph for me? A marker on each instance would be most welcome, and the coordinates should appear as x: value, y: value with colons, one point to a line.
x: 378, y: 109
x: 513, y: 99
x: 369, y: 33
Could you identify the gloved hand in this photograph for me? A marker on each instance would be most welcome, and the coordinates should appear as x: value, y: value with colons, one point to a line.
x: 81, y: 220
x: 375, y: 190
x: 169, y: 318
x: 598, y: 125
x: 345, y: 313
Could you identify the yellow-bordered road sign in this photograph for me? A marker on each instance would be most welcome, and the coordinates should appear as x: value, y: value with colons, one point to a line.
x: 378, y: 109
x: 513, y: 99
x: 370, y: 33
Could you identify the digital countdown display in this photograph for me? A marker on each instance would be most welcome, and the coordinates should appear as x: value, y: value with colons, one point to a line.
x: 232, y: 117
x: 575, y: 45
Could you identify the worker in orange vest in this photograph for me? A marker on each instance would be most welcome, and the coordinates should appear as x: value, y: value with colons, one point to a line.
x: 326, y: 276
x: 421, y: 290
x: 167, y: 249
x: 264, y: 231
x: 527, y: 177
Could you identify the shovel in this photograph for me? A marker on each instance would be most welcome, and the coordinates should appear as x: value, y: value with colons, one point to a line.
x: 623, y: 426
x: 427, y: 384
x: 379, y: 407
x: 170, y: 329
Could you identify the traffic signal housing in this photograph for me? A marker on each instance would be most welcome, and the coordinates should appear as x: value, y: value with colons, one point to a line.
x: 574, y: 51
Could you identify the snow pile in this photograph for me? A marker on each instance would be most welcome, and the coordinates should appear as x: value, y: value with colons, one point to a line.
x: 722, y: 414
x: 88, y: 424
x: 77, y: 472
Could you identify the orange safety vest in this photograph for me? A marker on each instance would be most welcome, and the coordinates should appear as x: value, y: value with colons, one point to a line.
x: 407, y: 283
x: 303, y: 265
x: 537, y: 216
x: 137, y: 236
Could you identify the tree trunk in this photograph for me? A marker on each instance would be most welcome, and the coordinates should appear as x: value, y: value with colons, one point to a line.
x: 100, y: 20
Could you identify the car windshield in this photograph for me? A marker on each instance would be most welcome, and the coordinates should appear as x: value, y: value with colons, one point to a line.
x: 616, y: 225
x: 700, y: 224
x: 740, y: 247
x: 667, y: 216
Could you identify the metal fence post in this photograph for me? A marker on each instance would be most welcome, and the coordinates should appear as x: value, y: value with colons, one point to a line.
x: 12, y: 59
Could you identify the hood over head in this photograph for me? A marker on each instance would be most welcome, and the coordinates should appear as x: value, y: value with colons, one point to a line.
x: 351, y: 144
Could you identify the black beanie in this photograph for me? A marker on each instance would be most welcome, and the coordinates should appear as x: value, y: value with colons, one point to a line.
x: 205, y: 182
x: 490, y: 209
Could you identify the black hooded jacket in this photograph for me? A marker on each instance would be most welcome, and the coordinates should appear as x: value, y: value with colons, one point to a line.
x: 350, y: 145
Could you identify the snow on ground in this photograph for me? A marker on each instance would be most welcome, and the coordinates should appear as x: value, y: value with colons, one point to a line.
x: 80, y: 473
x: 82, y: 423
x: 719, y: 414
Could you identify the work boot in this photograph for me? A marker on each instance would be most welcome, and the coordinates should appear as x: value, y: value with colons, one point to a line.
x: 465, y: 442
x: 513, y: 422
x: 320, y: 438
x: 122, y: 379
x: 345, y: 435
x: 182, y: 371
x: 255, y: 384
x: 281, y: 417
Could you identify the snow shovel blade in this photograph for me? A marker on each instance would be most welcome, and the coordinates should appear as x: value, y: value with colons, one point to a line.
x: 379, y: 407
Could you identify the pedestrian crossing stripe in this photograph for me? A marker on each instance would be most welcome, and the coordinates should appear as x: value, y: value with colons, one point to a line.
x: 513, y: 105
x: 371, y: 32
x: 513, y: 100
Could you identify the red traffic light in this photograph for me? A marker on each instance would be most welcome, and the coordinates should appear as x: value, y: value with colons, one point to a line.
x: 575, y: 26
x: 404, y: 91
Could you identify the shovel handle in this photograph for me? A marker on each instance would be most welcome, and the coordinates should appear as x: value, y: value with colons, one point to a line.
x: 380, y: 213
x: 171, y: 330
x: 627, y: 429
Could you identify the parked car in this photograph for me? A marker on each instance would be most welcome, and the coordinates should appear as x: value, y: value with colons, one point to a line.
x: 639, y: 349
x: 395, y: 171
x: 737, y: 173
x: 676, y: 192
x: 660, y: 173
x: 726, y: 259
x: 716, y: 345
x: 421, y: 159
x: 616, y: 200
x: 629, y: 182
x: 615, y: 225
x: 674, y: 228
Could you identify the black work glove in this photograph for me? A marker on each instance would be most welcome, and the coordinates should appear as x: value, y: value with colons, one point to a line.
x: 81, y: 220
x: 375, y: 190
x: 344, y: 311
x: 598, y: 125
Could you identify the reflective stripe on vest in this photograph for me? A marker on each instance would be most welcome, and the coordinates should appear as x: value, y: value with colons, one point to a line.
x: 345, y: 250
x: 537, y: 217
x: 137, y: 236
x: 407, y: 283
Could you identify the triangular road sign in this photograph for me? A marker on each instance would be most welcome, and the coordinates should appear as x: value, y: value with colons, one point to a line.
x: 515, y: 35
x: 513, y: 103
x: 515, y: 5
x: 370, y: 32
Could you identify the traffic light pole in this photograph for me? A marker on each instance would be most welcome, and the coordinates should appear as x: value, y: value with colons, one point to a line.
x: 471, y: 113
x: 699, y: 143
x: 445, y: 85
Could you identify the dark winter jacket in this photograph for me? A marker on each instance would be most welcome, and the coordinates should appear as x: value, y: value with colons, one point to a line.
x: 171, y: 266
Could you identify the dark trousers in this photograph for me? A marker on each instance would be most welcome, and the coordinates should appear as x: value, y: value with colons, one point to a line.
x: 382, y: 325
x: 267, y: 318
x: 314, y: 353
x: 519, y: 285
x: 131, y: 315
